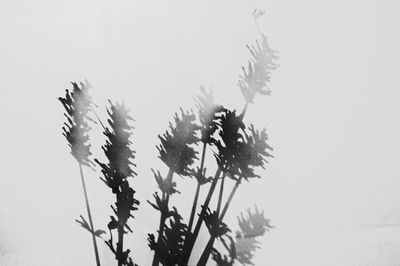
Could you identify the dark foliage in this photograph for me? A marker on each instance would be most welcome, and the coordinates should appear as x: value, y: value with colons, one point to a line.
x: 176, y: 149
x: 77, y: 104
x: 115, y: 176
x: 169, y: 250
x: 257, y: 75
x: 215, y: 226
x: 230, y: 139
x: 239, y: 153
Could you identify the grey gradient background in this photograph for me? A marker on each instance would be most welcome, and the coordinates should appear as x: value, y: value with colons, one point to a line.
x: 333, y: 119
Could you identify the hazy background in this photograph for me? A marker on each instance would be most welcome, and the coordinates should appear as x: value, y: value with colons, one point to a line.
x: 333, y: 119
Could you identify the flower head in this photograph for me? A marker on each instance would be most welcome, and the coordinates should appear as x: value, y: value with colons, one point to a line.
x: 257, y: 75
x: 176, y: 149
x: 77, y: 104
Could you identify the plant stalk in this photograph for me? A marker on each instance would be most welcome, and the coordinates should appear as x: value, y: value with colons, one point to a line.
x: 120, y: 245
x: 196, y: 197
x: 96, y: 252
x: 189, y: 243
x: 163, y: 217
x: 207, y: 251
x: 221, y: 193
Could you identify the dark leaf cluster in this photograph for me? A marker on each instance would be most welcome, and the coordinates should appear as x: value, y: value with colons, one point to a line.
x: 257, y: 75
x: 77, y: 104
x: 215, y: 226
x: 169, y: 249
x: 160, y: 204
x: 176, y: 149
x: 239, y: 152
x: 230, y: 139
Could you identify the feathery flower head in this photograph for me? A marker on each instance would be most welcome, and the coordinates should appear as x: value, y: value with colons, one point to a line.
x: 250, y: 154
x: 251, y: 227
x: 231, y: 137
x: 117, y: 148
x: 77, y: 104
x: 257, y: 76
x: 239, y: 153
x: 255, y: 224
x: 176, y: 149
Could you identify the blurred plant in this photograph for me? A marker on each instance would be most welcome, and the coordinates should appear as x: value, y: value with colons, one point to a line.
x: 242, y: 249
x: 115, y: 175
x: 77, y: 104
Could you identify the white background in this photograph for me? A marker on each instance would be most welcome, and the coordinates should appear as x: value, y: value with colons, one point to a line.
x: 333, y: 120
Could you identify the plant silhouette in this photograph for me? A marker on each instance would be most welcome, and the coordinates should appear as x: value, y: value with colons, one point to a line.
x: 239, y: 151
x: 115, y: 175
x: 77, y: 104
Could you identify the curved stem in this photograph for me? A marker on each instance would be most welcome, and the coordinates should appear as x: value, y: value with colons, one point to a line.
x: 96, y: 252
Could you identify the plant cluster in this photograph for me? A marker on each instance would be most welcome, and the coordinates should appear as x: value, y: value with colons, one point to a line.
x: 240, y: 151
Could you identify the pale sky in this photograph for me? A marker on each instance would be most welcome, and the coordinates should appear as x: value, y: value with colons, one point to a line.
x: 333, y: 117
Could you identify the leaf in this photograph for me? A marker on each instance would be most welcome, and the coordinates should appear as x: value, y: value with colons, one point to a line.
x: 99, y: 232
x: 84, y: 224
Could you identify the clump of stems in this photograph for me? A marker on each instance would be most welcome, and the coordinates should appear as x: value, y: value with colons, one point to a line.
x: 239, y: 151
x: 77, y: 104
x: 177, y: 152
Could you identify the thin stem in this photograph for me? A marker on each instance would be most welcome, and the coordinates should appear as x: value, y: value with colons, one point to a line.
x: 189, y: 243
x: 207, y: 251
x: 228, y: 202
x: 204, y: 257
x: 98, y: 118
x: 120, y: 244
x: 96, y: 252
x: 196, y: 197
x: 163, y: 217
x: 221, y: 193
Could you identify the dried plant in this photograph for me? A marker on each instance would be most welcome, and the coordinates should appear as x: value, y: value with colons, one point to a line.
x: 239, y: 151
x: 115, y: 175
x: 77, y: 104
x: 177, y: 152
